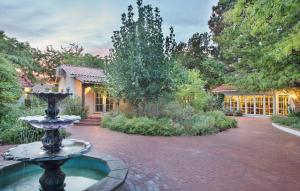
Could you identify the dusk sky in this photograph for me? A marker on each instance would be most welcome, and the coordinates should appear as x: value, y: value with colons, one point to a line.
x: 91, y: 23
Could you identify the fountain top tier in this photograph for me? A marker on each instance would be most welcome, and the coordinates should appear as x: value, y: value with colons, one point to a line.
x: 52, y: 98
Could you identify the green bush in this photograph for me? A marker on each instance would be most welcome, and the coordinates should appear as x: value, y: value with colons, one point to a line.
x: 139, y: 125
x: 293, y: 122
x: 73, y: 106
x: 198, y: 124
x: 178, y: 112
x: 208, y: 123
x: 14, y: 131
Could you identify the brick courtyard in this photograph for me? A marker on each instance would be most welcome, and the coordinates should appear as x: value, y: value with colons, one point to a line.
x: 254, y: 156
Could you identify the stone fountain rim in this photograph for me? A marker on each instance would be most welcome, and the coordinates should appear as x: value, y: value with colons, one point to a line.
x: 44, y: 119
x: 112, y: 182
x: 88, y: 147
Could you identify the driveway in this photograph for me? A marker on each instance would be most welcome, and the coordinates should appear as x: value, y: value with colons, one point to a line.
x: 254, y: 156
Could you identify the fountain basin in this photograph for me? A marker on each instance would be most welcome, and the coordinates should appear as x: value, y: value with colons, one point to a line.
x: 42, y: 122
x: 87, y: 172
x: 33, y: 152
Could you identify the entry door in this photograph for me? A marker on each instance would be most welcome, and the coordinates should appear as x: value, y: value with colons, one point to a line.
x: 99, y: 106
x: 283, y: 104
x: 104, y: 102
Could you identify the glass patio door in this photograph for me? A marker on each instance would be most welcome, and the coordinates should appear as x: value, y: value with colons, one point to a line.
x: 283, y: 104
x: 99, y: 106
x: 103, y: 102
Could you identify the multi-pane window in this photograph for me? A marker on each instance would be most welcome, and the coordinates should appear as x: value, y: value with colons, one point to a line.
x: 109, y: 103
x: 234, y: 101
x: 269, y: 105
x: 242, y: 104
x: 283, y: 104
x: 99, y: 102
x: 250, y: 104
x: 227, y: 102
x: 259, y: 105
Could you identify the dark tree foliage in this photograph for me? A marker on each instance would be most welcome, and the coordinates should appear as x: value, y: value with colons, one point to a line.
x: 139, y: 66
x: 262, y: 38
x: 9, y: 86
x: 196, y: 54
x: 216, y: 22
x: 19, y: 54
x: 73, y: 54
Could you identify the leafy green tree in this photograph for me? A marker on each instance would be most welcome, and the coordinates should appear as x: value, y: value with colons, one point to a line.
x: 139, y: 66
x: 19, y: 54
x: 73, y: 54
x: 196, y: 54
x: 263, y: 40
x: 9, y: 86
x: 192, y: 91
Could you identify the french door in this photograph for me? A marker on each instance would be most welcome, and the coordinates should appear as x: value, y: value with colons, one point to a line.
x: 283, y: 104
x: 103, y: 102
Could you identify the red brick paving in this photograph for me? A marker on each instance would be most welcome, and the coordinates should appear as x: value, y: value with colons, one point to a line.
x: 253, y: 157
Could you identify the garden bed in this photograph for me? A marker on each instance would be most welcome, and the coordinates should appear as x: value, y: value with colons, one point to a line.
x: 197, y: 124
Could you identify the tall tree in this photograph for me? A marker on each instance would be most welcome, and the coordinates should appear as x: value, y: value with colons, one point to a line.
x: 196, y: 54
x: 139, y: 67
x: 263, y: 40
x: 9, y: 86
x: 73, y: 54
x: 19, y: 54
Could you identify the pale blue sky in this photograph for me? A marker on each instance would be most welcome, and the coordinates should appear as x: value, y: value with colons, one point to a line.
x: 90, y: 23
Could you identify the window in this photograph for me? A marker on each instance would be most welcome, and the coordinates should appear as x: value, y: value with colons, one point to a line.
x: 234, y: 101
x: 227, y: 102
x: 259, y: 103
x: 283, y: 104
x: 99, y: 102
x: 109, y: 103
x: 269, y: 105
x: 250, y: 104
x: 242, y: 104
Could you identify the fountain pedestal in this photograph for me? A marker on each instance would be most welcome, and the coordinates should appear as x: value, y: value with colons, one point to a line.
x: 53, y: 177
x: 52, y: 140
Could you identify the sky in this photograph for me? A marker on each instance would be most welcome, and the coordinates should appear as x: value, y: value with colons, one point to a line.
x: 90, y: 23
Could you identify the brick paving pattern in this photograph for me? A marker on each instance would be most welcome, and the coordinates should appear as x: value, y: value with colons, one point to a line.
x: 253, y: 157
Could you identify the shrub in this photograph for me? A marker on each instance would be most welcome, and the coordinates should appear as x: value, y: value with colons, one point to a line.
x: 293, y: 122
x: 294, y: 114
x: 139, y: 125
x: 14, y: 131
x: 73, y: 106
x: 178, y: 112
x: 208, y: 123
x: 197, y: 124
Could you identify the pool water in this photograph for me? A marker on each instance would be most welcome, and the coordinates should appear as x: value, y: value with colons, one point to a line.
x: 80, y: 174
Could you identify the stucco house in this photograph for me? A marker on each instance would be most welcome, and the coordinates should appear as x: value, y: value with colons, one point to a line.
x: 26, y: 85
x: 81, y: 82
x: 279, y: 102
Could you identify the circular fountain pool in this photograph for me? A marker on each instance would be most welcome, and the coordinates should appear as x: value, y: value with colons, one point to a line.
x: 82, y: 173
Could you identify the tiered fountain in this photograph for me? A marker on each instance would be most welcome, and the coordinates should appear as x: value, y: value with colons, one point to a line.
x: 52, y: 152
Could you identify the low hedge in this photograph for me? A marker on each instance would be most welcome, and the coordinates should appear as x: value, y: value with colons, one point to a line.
x: 139, y: 125
x: 293, y: 122
x: 198, y: 124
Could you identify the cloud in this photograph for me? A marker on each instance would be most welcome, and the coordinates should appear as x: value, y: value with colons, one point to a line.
x: 91, y: 23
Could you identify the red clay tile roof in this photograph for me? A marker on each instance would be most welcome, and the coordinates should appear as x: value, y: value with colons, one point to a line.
x: 85, y: 74
x: 24, y: 81
x: 224, y: 88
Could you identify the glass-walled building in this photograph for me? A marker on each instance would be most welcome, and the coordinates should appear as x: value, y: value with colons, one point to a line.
x: 266, y: 103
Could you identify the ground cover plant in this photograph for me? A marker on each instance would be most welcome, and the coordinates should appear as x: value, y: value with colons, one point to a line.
x: 290, y: 121
x: 195, y: 124
x: 73, y: 106
x: 14, y: 131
